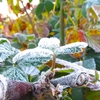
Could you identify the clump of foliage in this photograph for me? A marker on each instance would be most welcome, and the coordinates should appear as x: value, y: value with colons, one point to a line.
x: 72, y: 22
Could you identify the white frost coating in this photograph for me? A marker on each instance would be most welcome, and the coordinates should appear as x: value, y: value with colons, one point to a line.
x: 32, y: 53
x: 49, y: 43
x: 31, y: 70
x: 71, y: 48
x: 5, y: 40
x: 3, y: 82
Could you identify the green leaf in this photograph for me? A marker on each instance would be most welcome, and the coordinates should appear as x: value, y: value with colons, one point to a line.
x: 78, y: 13
x: 33, y: 78
x: 48, y: 5
x: 89, y: 63
x: 90, y: 53
x: 71, y: 48
x: 16, y: 45
x: 0, y: 0
x: 91, y: 95
x: 31, y: 45
x: 13, y: 73
x: 31, y: 37
x: 21, y: 37
x: 33, y: 57
x: 3, y: 40
x: 30, y: 0
x: 10, y: 1
x: 92, y: 11
x: 84, y: 10
x: 39, y: 9
x: 62, y: 72
x: 77, y: 94
x: 96, y: 76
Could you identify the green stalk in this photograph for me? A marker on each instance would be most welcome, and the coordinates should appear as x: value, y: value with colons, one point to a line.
x: 53, y: 62
x: 62, y: 27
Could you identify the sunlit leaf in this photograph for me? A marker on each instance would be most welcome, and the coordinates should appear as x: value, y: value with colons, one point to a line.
x: 93, y: 39
x: 32, y: 57
x: 82, y: 22
x: 78, y: 2
x: 30, y: 0
x: 75, y: 35
x: 10, y: 1
x: 14, y: 73
x: 78, y: 13
x: 92, y: 11
x: 15, y: 8
x: 71, y: 48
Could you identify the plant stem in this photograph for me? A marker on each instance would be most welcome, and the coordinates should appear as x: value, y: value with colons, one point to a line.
x: 62, y: 33
x: 27, y: 15
x: 53, y: 62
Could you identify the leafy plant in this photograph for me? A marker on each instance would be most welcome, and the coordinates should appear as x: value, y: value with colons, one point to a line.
x: 53, y: 35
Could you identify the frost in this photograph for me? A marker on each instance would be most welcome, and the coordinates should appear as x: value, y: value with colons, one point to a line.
x: 3, y: 87
x: 33, y: 57
x: 71, y: 48
x: 31, y: 70
x: 49, y: 43
x: 2, y: 40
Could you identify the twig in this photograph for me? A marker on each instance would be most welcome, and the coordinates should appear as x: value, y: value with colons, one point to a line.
x: 62, y: 34
x: 27, y: 15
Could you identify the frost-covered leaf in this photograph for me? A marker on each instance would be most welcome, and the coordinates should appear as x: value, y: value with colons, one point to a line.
x: 3, y: 40
x: 21, y: 37
x: 49, y: 43
x: 33, y: 57
x: 14, y: 73
x: 6, y: 50
x: 94, y: 86
x: 4, y: 54
x: 31, y: 70
x: 71, y: 48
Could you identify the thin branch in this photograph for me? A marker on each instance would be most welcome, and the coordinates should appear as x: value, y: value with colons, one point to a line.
x: 27, y: 14
x: 62, y: 27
